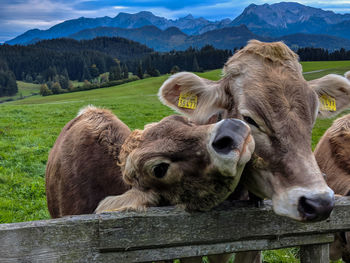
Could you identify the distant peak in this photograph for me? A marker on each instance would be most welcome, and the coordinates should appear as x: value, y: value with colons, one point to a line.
x: 189, y: 16
x: 174, y: 30
x: 251, y: 6
x: 148, y: 13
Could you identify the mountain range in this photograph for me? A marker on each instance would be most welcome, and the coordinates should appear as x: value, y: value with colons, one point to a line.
x: 296, y: 24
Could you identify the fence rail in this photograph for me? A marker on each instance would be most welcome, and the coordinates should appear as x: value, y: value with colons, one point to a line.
x: 167, y: 233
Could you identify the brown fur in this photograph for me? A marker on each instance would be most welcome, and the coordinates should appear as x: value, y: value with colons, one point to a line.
x: 276, y: 52
x: 96, y: 159
x: 263, y: 84
x: 333, y: 157
x: 82, y: 166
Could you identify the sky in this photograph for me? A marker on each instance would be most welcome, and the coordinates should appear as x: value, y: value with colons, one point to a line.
x: 18, y: 16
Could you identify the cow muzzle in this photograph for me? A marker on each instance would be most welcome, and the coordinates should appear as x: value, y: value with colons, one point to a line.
x: 231, y: 144
x: 304, y: 204
x: 231, y: 135
x: 316, y: 207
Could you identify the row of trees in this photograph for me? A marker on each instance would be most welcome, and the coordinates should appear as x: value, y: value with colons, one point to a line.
x: 321, y: 54
x: 192, y: 59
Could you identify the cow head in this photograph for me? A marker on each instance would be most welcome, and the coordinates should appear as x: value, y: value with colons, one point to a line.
x: 263, y: 85
x: 178, y: 162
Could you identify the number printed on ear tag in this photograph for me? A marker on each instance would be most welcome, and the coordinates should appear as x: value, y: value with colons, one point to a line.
x: 187, y: 100
x: 327, y: 103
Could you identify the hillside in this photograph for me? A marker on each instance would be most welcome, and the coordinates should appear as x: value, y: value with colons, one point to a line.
x: 117, y: 47
x: 73, y: 58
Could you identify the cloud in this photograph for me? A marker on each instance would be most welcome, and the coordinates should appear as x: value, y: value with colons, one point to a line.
x: 167, y: 4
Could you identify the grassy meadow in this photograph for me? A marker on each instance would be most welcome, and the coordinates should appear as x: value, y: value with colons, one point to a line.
x: 24, y: 90
x: 29, y: 128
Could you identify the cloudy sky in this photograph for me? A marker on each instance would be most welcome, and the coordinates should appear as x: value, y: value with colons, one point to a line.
x: 18, y: 16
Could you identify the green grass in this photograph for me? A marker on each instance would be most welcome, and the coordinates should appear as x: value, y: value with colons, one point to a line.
x: 24, y: 89
x: 320, y: 65
x: 29, y: 128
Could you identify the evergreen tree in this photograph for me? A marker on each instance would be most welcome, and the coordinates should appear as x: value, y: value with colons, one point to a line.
x: 195, y: 67
x: 39, y: 79
x: 28, y: 78
x: 65, y: 73
x: 3, y: 65
x: 8, y: 84
x: 125, y: 72
x: 115, y: 73
x: 50, y: 73
x: 94, y: 71
x: 63, y: 81
x: 140, y: 71
x: 174, y: 69
x: 86, y: 74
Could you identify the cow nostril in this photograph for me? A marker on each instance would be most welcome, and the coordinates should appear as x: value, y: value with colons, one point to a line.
x: 223, y: 145
x: 315, y: 209
x: 306, y: 207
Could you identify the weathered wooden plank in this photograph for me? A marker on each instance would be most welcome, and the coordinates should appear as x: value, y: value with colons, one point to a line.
x: 173, y: 232
x: 314, y: 253
x: 70, y: 239
x: 167, y: 253
x: 164, y: 227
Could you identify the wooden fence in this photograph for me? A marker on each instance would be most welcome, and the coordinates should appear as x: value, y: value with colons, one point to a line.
x: 168, y: 233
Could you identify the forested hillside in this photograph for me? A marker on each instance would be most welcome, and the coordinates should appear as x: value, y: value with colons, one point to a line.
x: 71, y: 58
x: 86, y: 59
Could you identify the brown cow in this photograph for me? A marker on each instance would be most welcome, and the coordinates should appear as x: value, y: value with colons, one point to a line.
x: 171, y: 162
x: 333, y: 157
x: 263, y: 85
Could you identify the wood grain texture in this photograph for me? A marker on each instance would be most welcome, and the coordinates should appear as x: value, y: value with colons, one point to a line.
x: 314, y: 254
x: 164, y: 233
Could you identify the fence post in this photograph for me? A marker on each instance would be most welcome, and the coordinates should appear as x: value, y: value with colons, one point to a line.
x: 314, y: 253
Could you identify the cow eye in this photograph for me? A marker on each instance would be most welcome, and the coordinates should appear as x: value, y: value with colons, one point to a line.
x: 160, y: 170
x: 250, y: 121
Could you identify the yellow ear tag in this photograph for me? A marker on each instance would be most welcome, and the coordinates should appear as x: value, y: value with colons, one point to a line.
x: 327, y: 103
x: 187, y: 100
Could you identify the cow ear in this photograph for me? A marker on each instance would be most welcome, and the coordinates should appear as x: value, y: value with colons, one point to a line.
x: 334, y: 94
x: 347, y: 75
x: 196, y: 97
x: 134, y: 199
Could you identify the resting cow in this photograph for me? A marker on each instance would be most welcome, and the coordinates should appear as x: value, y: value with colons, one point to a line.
x: 263, y: 85
x: 172, y: 162
x: 333, y: 157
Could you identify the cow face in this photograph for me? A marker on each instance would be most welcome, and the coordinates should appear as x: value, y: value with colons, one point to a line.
x: 181, y: 163
x: 263, y: 85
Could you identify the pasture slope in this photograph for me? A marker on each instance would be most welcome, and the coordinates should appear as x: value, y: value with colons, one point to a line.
x: 24, y: 90
x: 29, y: 128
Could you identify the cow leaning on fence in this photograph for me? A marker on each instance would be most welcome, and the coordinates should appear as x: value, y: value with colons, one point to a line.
x: 171, y: 162
x: 333, y: 156
x: 263, y: 85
